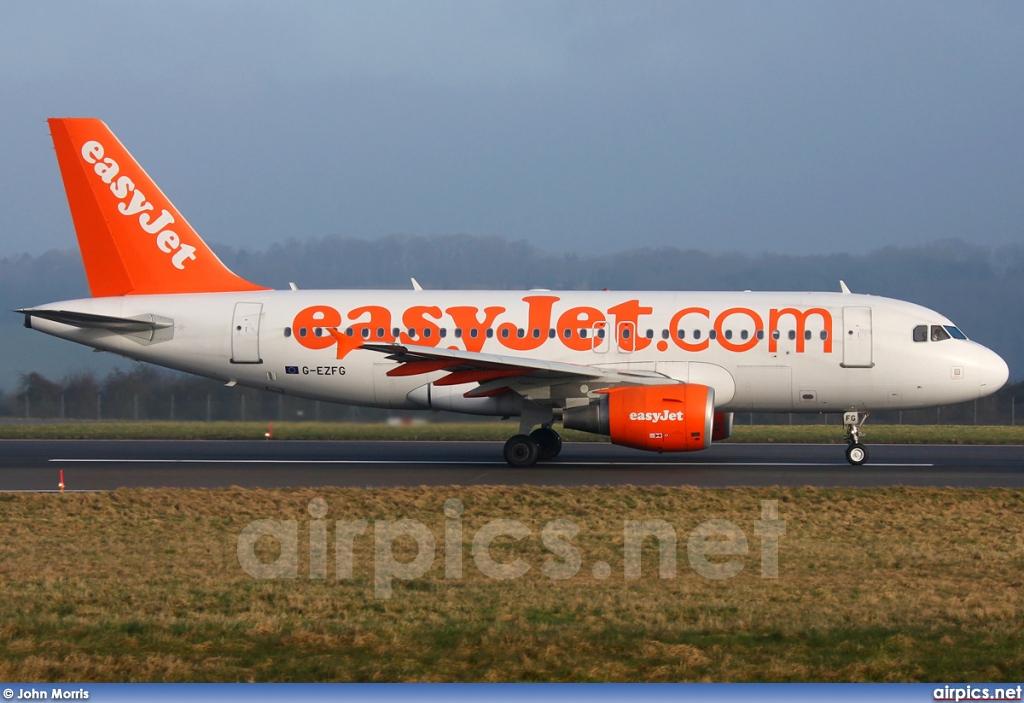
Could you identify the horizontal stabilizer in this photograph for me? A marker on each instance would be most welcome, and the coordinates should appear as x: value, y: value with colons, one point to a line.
x: 143, y: 326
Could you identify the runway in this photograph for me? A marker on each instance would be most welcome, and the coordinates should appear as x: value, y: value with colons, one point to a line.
x: 89, y: 465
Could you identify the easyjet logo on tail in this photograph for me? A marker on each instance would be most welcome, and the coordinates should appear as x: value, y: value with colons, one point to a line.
x: 133, y: 203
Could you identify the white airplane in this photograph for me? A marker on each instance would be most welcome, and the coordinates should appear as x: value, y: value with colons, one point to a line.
x: 661, y: 371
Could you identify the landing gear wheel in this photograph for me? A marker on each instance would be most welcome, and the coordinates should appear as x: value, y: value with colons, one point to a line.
x: 521, y: 451
x: 857, y: 454
x: 549, y: 441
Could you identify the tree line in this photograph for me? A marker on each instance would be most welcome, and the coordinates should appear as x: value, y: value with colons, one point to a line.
x: 148, y: 393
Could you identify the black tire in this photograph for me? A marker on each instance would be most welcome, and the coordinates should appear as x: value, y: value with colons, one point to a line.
x: 521, y: 451
x: 549, y: 441
x: 857, y: 454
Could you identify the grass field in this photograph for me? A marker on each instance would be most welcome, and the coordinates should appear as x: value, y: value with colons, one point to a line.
x: 498, y: 431
x: 873, y: 585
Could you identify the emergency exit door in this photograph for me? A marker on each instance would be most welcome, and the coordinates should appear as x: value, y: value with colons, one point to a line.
x: 857, y: 338
x: 245, y: 333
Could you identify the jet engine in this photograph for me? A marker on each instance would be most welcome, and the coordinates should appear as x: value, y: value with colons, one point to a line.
x: 668, y: 418
x: 721, y: 427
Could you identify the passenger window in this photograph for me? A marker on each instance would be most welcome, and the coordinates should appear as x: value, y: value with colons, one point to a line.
x: 921, y: 333
x: 792, y: 334
x: 443, y: 333
x: 760, y: 334
x: 939, y: 333
x: 302, y: 331
x: 520, y: 333
x: 775, y: 334
x: 744, y: 334
x: 551, y: 333
x: 664, y: 334
x: 458, y: 333
x: 474, y: 333
x: 650, y: 334
x: 366, y: 333
x: 490, y: 333
x: 504, y: 333
x: 728, y: 334
x: 696, y: 334
x: 681, y: 334
x: 426, y: 331
x: 713, y: 334
x: 395, y: 332
x: 807, y: 334
x: 824, y: 335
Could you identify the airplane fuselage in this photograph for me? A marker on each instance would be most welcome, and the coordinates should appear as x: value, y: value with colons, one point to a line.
x: 784, y: 352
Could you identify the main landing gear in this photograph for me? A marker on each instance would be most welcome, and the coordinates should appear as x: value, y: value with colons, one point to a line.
x: 523, y: 451
x: 856, y: 453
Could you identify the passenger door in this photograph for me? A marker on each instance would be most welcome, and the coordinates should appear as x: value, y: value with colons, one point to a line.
x: 857, y: 338
x: 245, y: 333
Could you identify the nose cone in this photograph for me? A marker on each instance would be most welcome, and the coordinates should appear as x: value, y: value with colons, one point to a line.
x: 992, y: 372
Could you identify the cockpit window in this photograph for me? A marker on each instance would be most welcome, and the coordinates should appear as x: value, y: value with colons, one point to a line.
x: 938, y: 333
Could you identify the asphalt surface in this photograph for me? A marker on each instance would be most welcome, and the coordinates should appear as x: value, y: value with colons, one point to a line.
x: 89, y: 465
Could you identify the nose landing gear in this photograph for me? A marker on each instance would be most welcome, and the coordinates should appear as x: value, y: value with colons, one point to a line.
x: 856, y: 453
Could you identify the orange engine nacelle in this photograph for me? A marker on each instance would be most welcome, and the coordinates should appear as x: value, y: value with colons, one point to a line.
x: 721, y: 428
x: 676, y: 418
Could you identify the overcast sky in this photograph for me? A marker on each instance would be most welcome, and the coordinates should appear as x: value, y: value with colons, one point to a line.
x: 784, y: 126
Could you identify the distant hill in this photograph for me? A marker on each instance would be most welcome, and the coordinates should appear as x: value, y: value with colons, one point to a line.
x: 978, y: 288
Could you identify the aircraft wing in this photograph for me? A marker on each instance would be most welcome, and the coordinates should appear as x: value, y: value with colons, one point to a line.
x: 497, y: 373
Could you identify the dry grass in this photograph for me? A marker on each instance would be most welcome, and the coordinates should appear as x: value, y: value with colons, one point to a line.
x: 874, y: 585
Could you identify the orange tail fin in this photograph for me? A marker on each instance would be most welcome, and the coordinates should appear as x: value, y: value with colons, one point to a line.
x: 133, y: 240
